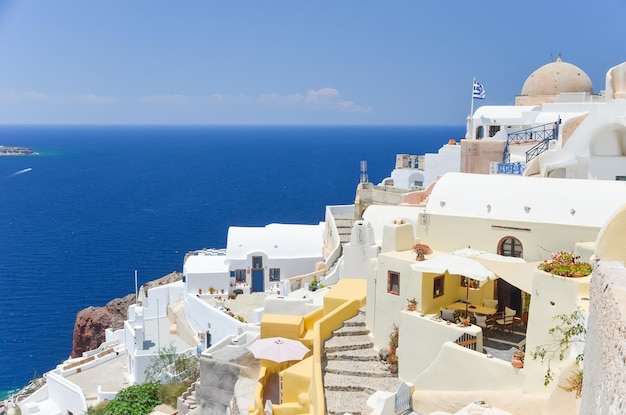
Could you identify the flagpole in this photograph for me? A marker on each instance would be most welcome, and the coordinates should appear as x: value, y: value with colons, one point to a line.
x: 471, y: 123
x: 136, y: 290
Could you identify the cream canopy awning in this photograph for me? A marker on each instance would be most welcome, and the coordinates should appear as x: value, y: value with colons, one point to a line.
x: 456, y: 265
x: 480, y: 266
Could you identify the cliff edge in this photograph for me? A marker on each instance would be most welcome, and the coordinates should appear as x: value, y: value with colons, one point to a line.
x: 91, y: 322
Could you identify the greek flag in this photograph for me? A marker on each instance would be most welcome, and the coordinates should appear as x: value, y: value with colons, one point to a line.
x: 479, y: 91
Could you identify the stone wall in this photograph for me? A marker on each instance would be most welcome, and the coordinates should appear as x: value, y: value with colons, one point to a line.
x: 604, y: 382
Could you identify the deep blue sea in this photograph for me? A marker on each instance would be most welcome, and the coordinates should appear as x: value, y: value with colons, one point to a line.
x: 101, y: 202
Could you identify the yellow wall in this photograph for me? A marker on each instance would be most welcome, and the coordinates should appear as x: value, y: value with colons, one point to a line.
x: 345, y: 290
x: 303, y: 389
x: 281, y: 325
x: 432, y: 305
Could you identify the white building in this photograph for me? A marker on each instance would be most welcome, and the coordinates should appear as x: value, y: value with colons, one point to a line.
x: 504, y: 215
x: 262, y: 257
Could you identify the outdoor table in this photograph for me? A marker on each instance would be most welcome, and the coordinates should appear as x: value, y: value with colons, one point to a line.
x: 459, y: 305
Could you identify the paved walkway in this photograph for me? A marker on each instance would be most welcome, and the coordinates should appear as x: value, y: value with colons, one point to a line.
x: 109, y: 375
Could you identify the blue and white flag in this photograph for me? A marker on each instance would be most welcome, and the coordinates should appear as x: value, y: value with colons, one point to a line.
x: 478, y: 91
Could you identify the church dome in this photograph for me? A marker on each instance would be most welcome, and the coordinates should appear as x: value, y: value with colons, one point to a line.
x: 555, y: 78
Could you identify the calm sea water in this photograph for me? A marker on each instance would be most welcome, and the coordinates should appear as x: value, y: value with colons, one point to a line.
x: 101, y: 202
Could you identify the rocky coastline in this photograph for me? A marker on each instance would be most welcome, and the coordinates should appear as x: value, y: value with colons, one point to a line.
x: 91, y: 322
x: 16, y: 151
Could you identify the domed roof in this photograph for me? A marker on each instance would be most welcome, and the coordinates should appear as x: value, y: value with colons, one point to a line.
x: 555, y: 78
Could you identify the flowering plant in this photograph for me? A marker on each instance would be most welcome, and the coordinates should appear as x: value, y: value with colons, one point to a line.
x: 565, y: 264
x: 421, y: 250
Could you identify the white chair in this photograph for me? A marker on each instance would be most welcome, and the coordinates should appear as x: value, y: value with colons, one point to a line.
x: 490, y: 303
x: 507, y: 320
x: 484, y: 323
x: 448, y: 315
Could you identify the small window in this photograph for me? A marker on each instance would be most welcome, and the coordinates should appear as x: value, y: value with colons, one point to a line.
x: 240, y: 275
x: 257, y: 262
x: 493, y: 129
x: 274, y: 274
x: 474, y: 284
x: 438, y: 286
x: 480, y: 132
x: 510, y: 246
x: 393, y: 282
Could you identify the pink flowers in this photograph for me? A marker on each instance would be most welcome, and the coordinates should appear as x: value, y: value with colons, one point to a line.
x: 565, y: 264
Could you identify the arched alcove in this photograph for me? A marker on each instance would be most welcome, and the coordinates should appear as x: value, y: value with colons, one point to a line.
x: 609, y: 141
x: 610, y: 242
x: 557, y: 173
x: 607, y: 152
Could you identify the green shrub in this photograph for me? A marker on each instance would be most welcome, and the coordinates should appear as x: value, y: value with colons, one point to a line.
x: 168, y: 362
x: 170, y: 392
x: 99, y: 409
x: 135, y: 400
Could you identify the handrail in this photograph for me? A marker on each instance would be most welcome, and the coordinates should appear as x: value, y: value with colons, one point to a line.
x: 542, y: 133
x: 537, y: 149
x: 536, y: 133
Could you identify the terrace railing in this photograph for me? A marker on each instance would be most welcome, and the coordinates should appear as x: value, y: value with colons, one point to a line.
x: 541, y: 133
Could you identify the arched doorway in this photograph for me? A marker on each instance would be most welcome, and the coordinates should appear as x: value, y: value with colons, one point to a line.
x: 508, y: 295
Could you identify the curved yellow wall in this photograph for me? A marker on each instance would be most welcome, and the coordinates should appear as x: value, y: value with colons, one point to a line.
x: 303, y: 387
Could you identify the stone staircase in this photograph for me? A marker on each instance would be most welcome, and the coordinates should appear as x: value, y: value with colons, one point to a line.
x: 352, y: 369
x: 344, y: 227
x: 187, y: 402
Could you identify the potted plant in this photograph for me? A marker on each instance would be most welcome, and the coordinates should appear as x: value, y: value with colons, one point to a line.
x: 421, y: 250
x: 581, y: 269
x: 525, y: 307
x: 565, y: 264
x: 393, y: 338
x: 392, y: 360
x: 314, y: 285
x: 518, y: 359
x: 211, y: 290
x: 412, y: 304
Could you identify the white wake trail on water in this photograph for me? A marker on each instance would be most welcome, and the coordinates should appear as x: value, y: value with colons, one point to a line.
x: 21, y: 172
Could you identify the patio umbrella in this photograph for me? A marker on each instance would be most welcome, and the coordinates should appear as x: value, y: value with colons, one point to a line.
x: 278, y: 349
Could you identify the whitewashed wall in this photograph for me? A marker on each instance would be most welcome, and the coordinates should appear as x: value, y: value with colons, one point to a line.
x: 448, y: 158
x: 67, y: 396
x: 459, y: 369
x: 361, y: 248
x: 539, y: 241
x: 199, y: 315
x: 205, y: 280
x: 383, y: 308
x: 162, y: 296
x: 551, y: 295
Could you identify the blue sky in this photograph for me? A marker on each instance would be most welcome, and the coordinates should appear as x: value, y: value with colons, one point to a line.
x: 287, y: 62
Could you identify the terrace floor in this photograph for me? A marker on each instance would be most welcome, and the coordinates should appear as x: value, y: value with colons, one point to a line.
x: 503, y: 345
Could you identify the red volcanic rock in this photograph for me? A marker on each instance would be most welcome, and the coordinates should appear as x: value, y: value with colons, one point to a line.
x: 92, y: 322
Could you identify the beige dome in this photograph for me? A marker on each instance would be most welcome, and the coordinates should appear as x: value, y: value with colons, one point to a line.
x: 555, y: 78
